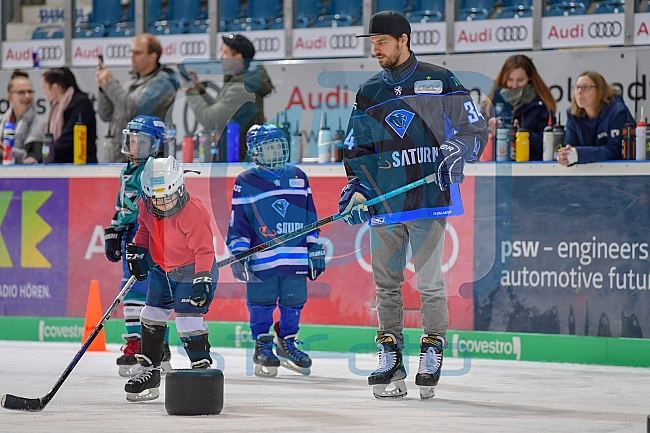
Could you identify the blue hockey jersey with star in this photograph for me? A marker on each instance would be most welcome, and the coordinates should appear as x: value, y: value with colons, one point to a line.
x: 268, y: 204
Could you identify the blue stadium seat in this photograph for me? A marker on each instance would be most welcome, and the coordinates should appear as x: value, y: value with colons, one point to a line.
x: 307, y: 12
x: 469, y: 10
x: 153, y: 10
x: 516, y: 8
x: 566, y: 8
x: 264, y: 14
x: 342, y: 13
x: 427, y: 11
x: 610, y: 7
x: 391, y: 5
x: 229, y: 14
x: 96, y: 31
x: 47, y: 32
x: 106, y: 12
x: 122, y: 30
x: 165, y: 27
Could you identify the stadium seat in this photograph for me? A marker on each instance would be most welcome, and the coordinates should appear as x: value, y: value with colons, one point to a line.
x: 516, y: 8
x: 427, y: 11
x: 610, y: 7
x: 48, y: 32
x: 122, y: 30
x: 392, y: 5
x: 263, y: 15
x: 342, y: 13
x: 565, y: 9
x: 106, y: 12
x: 469, y: 10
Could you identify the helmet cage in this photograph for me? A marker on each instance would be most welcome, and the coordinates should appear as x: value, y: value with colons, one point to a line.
x: 163, y: 207
x: 272, y: 154
x: 163, y: 187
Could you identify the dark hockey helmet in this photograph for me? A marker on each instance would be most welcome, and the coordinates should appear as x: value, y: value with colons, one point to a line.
x: 267, y: 146
x: 163, y: 187
x: 143, y: 137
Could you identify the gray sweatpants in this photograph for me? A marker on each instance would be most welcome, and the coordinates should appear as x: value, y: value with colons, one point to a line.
x: 388, y: 244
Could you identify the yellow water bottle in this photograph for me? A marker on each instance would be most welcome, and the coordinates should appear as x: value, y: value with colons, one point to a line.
x: 80, y: 142
x: 522, y: 145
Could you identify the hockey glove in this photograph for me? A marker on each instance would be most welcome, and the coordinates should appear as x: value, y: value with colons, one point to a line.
x: 201, y: 288
x: 353, y: 195
x: 139, y: 261
x: 240, y: 270
x: 450, y: 164
x: 316, y: 261
x: 113, y: 243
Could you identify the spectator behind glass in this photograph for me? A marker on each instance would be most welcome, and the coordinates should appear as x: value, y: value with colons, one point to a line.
x: 29, y: 125
x: 594, y: 122
x: 521, y: 98
x: 68, y: 105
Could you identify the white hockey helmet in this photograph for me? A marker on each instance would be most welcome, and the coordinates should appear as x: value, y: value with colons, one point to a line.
x: 163, y: 187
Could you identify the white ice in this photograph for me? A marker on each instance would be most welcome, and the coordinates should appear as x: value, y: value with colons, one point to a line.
x: 479, y: 396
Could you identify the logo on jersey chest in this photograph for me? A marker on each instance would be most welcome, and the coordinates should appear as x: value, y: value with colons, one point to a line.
x: 281, y: 207
x: 297, y: 183
x: 399, y: 121
x: 428, y: 86
x: 283, y: 228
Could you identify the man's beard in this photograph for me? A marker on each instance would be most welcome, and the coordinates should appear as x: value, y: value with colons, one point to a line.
x: 391, y: 60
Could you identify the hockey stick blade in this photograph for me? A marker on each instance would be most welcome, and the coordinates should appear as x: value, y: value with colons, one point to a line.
x: 320, y: 223
x: 13, y: 402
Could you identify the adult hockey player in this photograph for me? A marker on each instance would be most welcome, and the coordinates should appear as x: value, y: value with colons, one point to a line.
x: 410, y: 120
x: 175, y: 245
x: 143, y: 137
x: 272, y: 199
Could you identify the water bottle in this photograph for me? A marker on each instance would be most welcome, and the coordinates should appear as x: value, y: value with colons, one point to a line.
x: 35, y: 62
x: 488, y: 151
x: 48, y: 148
x: 80, y: 142
x: 640, y: 144
x: 522, y: 145
x: 547, y: 152
x: 8, y: 134
x: 170, y: 138
x: 339, y: 137
x: 325, y: 139
x: 188, y: 149
x: 503, y: 149
x: 512, y: 142
x: 295, y: 153
x: 558, y: 135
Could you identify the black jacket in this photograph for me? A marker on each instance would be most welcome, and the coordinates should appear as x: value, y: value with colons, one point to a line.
x: 63, y: 146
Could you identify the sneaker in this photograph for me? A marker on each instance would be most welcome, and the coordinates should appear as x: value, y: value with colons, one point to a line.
x: 127, y: 360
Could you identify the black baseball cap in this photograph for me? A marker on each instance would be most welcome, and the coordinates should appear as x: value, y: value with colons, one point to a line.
x: 388, y: 23
x: 240, y: 44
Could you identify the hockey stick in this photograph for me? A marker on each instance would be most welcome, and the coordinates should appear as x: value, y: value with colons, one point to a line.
x: 320, y: 223
x: 13, y: 402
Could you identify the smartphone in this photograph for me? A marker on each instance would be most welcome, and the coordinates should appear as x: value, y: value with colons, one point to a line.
x: 101, y: 60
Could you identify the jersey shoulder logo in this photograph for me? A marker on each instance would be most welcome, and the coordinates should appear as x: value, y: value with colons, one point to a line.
x: 399, y: 121
x: 281, y: 206
x: 297, y: 183
x: 428, y: 86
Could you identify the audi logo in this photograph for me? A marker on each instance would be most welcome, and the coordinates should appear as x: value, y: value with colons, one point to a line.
x: 121, y: 51
x: 343, y: 42
x: 605, y: 29
x: 189, y: 48
x: 49, y: 52
x: 511, y: 33
x: 266, y: 45
x: 425, y: 37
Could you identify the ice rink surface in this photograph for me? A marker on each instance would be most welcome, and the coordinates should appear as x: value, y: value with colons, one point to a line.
x: 473, y: 396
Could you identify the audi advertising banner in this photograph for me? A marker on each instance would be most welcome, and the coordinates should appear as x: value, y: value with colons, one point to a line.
x: 491, y: 35
x: 269, y: 44
x: 583, y: 31
x: 642, y: 29
x: 428, y: 38
x: 18, y: 54
x: 328, y: 42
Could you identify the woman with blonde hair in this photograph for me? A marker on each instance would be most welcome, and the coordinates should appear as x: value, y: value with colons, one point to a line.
x: 520, y: 98
x: 594, y: 122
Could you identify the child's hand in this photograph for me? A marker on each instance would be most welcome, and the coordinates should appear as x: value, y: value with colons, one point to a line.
x: 201, y: 289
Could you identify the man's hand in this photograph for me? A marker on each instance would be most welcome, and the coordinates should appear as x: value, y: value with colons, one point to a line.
x: 451, y: 162
x: 103, y: 76
x: 201, y: 288
x: 353, y: 195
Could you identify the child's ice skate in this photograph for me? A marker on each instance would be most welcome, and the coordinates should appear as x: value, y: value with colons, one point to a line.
x: 266, y: 363
x: 144, y: 382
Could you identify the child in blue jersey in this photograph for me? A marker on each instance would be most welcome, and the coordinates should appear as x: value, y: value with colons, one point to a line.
x: 143, y: 137
x: 269, y: 200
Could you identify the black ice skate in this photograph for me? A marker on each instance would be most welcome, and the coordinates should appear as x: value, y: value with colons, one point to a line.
x: 290, y: 356
x: 144, y: 382
x: 266, y: 363
x: 431, y: 355
x: 166, y: 364
x: 390, y: 371
x: 127, y: 361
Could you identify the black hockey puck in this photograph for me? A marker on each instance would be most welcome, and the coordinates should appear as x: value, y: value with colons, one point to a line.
x: 194, y: 392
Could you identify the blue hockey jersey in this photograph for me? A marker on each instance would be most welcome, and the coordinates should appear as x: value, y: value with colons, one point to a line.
x: 267, y: 204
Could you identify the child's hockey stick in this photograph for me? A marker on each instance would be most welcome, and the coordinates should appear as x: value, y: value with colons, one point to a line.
x: 313, y: 226
x: 13, y: 402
